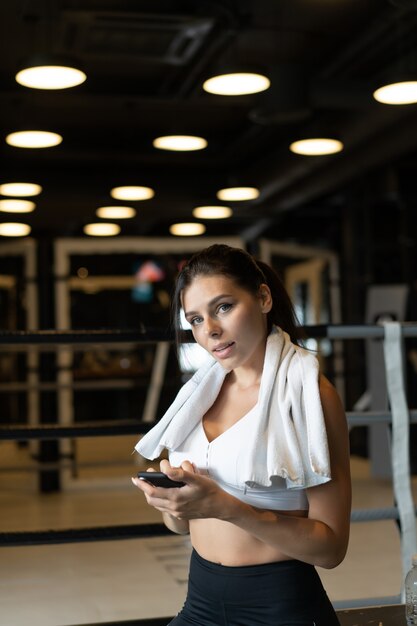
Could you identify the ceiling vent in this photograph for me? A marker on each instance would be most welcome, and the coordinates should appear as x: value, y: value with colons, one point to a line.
x: 170, y: 39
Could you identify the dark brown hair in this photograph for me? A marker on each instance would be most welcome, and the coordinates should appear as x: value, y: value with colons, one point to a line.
x: 248, y: 273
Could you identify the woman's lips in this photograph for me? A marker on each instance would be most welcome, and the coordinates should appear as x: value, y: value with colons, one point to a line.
x: 224, y: 351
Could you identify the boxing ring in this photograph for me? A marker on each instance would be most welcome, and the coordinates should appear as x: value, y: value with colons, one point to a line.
x: 396, y: 421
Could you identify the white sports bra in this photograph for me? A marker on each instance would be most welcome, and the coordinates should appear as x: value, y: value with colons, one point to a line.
x: 219, y: 459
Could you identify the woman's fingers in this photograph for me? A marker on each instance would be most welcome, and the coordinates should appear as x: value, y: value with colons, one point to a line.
x: 141, y: 484
x: 188, y: 467
x: 184, y: 502
x: 178, y: 473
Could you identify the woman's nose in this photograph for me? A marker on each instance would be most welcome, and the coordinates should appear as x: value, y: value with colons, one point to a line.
x: 211, y: 327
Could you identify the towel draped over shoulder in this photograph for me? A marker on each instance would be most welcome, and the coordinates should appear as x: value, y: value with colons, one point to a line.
x: 289, y: 437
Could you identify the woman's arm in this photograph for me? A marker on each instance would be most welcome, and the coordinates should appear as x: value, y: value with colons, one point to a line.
x: 179, y: 526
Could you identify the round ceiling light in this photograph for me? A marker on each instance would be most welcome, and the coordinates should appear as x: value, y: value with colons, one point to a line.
x: 132, y: 193
x: 180, y: 143
x: 13, y: 205
x: 212, y: 212
x: 236, y: 84
x: 50, y: 77
x: 102, y: 230
x: 235, y: 194
x: 187, y: 229
x: 316, y: 146
x: 20, y: 189
x: 404, y: 92
x: 14, y: 229
x: 33, y: 139
x: 116, y: 212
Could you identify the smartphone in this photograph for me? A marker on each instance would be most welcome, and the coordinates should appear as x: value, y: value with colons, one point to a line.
x: 159, y: 479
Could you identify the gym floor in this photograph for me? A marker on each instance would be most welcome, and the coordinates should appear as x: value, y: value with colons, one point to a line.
x: 104, y: 581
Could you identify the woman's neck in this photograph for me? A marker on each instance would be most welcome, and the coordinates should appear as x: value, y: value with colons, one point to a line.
x: 244, y: 380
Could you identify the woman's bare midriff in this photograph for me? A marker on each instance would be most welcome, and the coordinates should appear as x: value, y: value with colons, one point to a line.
x: 226, y: 544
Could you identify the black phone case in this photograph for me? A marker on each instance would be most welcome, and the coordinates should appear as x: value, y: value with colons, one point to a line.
x: 158, y: 479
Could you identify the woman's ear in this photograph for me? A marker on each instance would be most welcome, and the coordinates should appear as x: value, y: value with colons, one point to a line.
x: 265, y: 297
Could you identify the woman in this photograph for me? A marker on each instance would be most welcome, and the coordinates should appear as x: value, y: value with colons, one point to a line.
x: 260, y: 440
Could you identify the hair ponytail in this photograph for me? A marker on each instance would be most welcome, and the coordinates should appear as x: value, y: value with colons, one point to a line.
x: 282, y: 313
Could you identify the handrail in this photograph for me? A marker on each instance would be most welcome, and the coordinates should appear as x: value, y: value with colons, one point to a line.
x: 78, y: 535
x: 21, y: 432
x: 52, y: 337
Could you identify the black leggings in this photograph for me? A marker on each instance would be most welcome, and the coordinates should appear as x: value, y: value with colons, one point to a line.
x: 285, y: 593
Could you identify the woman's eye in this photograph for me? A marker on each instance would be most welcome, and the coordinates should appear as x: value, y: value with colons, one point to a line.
x: 195, y: 320
x: 223, y: 308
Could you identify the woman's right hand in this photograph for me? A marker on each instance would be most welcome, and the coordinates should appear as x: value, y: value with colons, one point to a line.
x: 200, y: 497
x: 180, y: 527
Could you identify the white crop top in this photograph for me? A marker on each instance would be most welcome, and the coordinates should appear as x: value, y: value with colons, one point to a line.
x: 219, y: 459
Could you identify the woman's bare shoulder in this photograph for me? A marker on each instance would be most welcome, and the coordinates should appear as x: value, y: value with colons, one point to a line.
x: 332, y: 405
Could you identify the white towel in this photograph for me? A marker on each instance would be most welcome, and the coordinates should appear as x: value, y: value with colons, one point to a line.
x: 289, y: 434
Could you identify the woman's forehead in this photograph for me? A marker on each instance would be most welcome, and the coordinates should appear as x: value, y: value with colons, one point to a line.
x: 210, y: 282
x: 205, y: 287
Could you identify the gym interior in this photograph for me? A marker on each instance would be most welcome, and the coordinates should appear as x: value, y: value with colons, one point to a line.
x: 87, y: 356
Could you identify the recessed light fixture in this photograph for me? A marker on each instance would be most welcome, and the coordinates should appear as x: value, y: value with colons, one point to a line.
x: 236, y: 84
x: 187, y: 229
x: 235, y: 194
x: 316, y: 146
x: 44, y: 76
x: 115, y: 212
x: 20, y: 189
x: 102, y: 230
x: 131, y: 192
x: 33, y: 139
x: 14, y: 205
x: 14, y: 229
x: 180, y: 143
x: 404, y: 92
x: 212, y: 212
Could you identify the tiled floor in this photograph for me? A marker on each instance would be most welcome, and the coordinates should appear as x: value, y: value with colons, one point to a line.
x: 83, y: 583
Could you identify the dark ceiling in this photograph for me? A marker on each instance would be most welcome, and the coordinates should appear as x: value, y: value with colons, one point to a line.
x: 146, y: 62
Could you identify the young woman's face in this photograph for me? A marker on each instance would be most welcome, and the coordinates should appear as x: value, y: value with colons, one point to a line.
x: 226, y: 320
